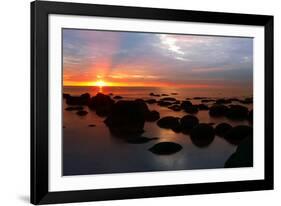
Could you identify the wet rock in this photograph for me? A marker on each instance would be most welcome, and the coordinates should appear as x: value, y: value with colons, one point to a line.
x: 237, y: 112
x: 250, y: 116
x: 218, y: 110
x: 152, y: 116
x: 165, y: 148
x: 82, y: 113
x: 65, y: 95
x: 117, y: 97
x: 186, y: 104
x: 127, y: 118
x: 198, y: 98
x: 188, y: 122
x: 203, y: 107
x: 222, y: 128
x: 102, y: 104
x: 248, y: 100
x: 202, y: 135
x: 168, y: 99
x: 140, y: 140
x: 175, y: 107
x: 74, y: 108
x: 207, y: 100
x: 191, y: 109
x: 169, y: 122
x: 164, y: 103
x: 223, y: 101
x: 151, y: 101
x: 238, y: 133
x: 78, y: 100
x: 91, y: 125
x: 243, y: 156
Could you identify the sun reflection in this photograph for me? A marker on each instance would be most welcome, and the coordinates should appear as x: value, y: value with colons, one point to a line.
x: 100, y: 83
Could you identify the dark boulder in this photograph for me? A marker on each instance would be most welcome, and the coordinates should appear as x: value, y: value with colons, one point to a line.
x: 65, y: 95
x: 191, y: 109
x: 117, y: 97
x: 238, y: 133
x: 250, y: 116
x: 78, y: 100
x: 127, y: 118
x: 223, y: 101
x: 82, y: 113
x: 74, y: 108
x: 218, y: 110
x: 102, y: 104
x: 248, y: 100
x: 152, y: 116
x: 164, y: 103
x: 202, y: 135
x: 175, y: 107
x: 186, y: 104
x: 207, y: 100
x: 203, y: 107
x: 169, y: 122
x: 151, y: 101
x: 165, y: 148
x: 238, y: 112
x: 222, y: 128
x: 243, y: 156
x: 168, y: 99
x: 199, y: 98
x: 188, y: 122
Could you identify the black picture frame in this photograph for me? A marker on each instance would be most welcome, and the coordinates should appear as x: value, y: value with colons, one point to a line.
x: 39, y: 101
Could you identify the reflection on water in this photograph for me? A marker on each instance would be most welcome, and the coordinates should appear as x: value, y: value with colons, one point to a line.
x: 93, y: 150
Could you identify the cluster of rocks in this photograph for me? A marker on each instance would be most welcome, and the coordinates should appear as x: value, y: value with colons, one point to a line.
x: 235, y: 112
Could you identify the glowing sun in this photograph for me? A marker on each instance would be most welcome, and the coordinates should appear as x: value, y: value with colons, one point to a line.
x: 100, y: 83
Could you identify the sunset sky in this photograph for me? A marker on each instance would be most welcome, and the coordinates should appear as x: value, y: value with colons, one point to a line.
x: 149, y: 59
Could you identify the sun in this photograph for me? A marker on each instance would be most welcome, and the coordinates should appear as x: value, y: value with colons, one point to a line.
x: 100, y: 83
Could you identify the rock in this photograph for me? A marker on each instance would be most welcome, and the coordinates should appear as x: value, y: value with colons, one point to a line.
x: 140, y: 140
x: 222, y: 128
x: 247, y: 101
x: 218, y: 110
x: 203, y: 107
x: 127, y: 117
x: 78, y: 100
x: 151, y: 101
x: 65, y: 96
x: 202, y: 135
x: 186, y: 104
x: 91, y: 125
x: 164, y: 95
x: 74, y: 108
x: 223, y: 101
x: 237, y: 112
x: 168, y: 99
x: 175, y: 107
x: 154, y: 95
x: 198, y: 98
x: 207, y: 100
x: 165, y: 148
x: 152, y: 116
x: 238, y: 133
x: 191, y: 110
x: 169, y: 122
x: 102, y: 104
x: 117, y: 97
x: 243, y: 156
x: 81, y: 113
x: 174, y: 93
x: 164, y: 103
x: 188, y: 122
x: 250, y: 116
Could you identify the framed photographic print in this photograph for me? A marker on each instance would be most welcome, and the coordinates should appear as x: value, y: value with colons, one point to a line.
x: 131, y: 102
